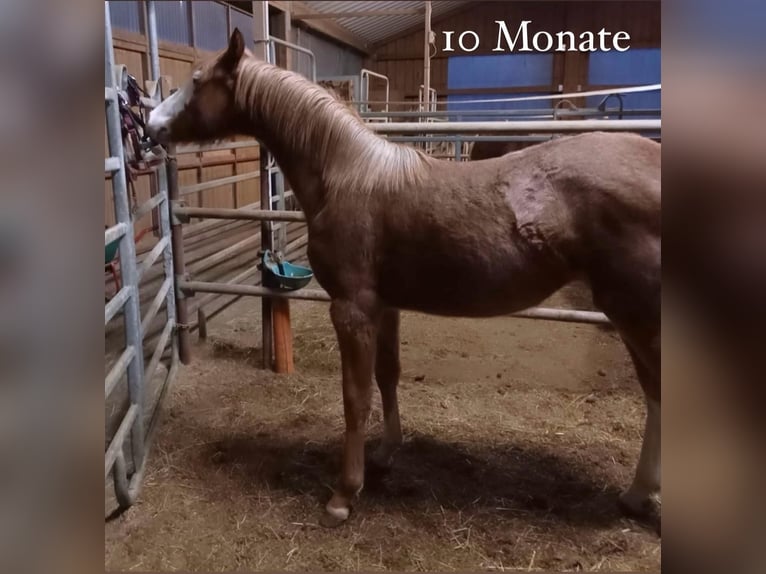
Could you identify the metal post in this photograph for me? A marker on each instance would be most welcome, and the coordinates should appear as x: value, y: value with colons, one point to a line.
x: 166, y: 231
x: 132, y: 312
x: 271, y: 40
x: 179, y: 264
x: 364, y: 75
x: 266, y: 243
x: 427, y: 58
x: 154, y: 52
x: 261, y: 37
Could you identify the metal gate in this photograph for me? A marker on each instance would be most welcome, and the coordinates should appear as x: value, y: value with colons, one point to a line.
x: 135, y: 367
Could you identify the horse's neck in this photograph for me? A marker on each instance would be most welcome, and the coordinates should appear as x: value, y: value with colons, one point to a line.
x: 322, y: 149
x: 299, y: 170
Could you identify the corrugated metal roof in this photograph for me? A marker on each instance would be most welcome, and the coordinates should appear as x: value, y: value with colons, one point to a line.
x: 374, y: 29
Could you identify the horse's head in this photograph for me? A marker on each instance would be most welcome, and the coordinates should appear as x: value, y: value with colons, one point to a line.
x: 203, y: 108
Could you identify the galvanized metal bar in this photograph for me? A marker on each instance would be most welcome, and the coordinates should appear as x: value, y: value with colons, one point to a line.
x: 110, y: 95
x: 426, y: 58
x: 253, y: 290
x: 119, y: 367
x: 267, y: 242
x: 117, y: 302
x: 542, y: 112
x: 158, y: 350
x: 280, y: 201
x: 111, y: 164
x: 297, y: 48
x: 154, y: 52
x: 471, y: 138
x: 477, y: 138
x: 122, y: 488
x: 148, y: 206
x: 567, y: 315
x: 212, y: 184
x: 165, y: 231
x: 133, y: 335
x: 115, y: 446
x: 197, y: 148
x: 114, y: 232
x: 127, y: 491
x: 179, y: 262
x: 515, y: 126
x: 364, y: 75
x: 154, y: 308
x: 242, y: 214
x: 152, y: 256
x: 557, y: 96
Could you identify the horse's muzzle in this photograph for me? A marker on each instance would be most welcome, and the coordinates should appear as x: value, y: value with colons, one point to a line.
x: 159, y: 133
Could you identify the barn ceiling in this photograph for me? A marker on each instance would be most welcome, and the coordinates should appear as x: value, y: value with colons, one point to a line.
x: 382, y: 20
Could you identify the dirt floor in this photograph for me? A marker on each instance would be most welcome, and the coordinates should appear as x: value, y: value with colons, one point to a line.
x: 519, y: 436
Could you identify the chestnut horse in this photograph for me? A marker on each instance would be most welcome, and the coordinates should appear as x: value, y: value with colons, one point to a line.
x: 391, y: 228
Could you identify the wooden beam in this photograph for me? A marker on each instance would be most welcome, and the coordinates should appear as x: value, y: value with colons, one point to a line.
x: 329, y: 28
x: 356, y: 14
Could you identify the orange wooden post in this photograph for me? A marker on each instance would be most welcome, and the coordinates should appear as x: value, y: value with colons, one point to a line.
x: 283, y: 337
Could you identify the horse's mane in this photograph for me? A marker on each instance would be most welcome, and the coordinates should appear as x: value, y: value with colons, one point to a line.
x: 313, y: 123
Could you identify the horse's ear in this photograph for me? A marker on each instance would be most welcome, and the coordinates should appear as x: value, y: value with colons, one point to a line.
x: 234, y: 52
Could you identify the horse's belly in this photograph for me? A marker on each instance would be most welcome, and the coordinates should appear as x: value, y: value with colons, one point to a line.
x: 457, y: 287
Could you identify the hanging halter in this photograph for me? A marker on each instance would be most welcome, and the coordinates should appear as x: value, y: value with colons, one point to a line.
x: 141, y: 152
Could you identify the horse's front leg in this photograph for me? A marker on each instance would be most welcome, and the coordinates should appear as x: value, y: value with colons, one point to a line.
x: 387, y: 371
x: 356, y: 328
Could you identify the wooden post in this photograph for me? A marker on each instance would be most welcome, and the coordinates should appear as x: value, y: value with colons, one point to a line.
x: 283, y: 337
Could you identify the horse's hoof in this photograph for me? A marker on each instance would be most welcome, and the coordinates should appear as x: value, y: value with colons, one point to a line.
x: 645, y: 509
x: 333, y: 517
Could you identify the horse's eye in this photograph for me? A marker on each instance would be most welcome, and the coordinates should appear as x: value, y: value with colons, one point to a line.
x: 173, y: 91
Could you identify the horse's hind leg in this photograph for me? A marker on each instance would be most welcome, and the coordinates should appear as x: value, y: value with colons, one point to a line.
x: 387, y: 371
x: 635, y: 312
x: 642, y: 499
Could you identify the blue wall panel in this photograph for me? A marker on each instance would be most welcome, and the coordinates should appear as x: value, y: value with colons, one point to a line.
x: 173, y: 23
x: 245, y: 24
x: 635, y: 67
x: 126, y: 14
x: 210, y: 25
x: 453, y: 104
x: 499, y: 71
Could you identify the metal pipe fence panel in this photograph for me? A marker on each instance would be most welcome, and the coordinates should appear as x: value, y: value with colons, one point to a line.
x: 125, y: 456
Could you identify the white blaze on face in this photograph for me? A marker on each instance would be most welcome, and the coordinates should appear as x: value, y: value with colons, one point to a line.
x: 162, y: 116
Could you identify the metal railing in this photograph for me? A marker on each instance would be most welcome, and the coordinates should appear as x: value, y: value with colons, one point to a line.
x: 136, y: 428
x: 272, y: 56
x: 364, y: 76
